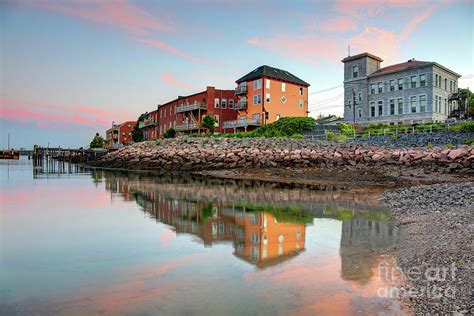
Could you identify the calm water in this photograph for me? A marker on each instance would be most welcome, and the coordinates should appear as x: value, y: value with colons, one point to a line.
x: 101, y: 242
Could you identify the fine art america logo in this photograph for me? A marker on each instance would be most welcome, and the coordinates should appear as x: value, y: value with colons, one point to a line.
x: 430, y: 278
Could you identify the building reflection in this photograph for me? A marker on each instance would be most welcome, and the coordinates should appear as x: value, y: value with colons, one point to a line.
x: 261, y: 233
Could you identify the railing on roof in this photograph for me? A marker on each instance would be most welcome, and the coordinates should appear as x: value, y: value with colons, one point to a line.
x: 191, y: 107
x: 147, y: 122
x: 241, y: 105
x: 241, y: 123
x: 240, y: 90
x: 187, y: 127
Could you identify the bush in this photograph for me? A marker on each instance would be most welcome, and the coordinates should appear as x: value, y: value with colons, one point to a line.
x: 170, y: 133
x: 467, y: 126
x: 283, y: 128
x: 330, y: 135
x: 346, y: 129
x: 469, y: 141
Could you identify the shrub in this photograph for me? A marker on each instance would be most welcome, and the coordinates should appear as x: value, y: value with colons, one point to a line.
x: 209, y: 122
x: 330, y: 135
x: 346, y: 129
x: 469, y: 141
x: 467, y: 126
x: 170, y: 133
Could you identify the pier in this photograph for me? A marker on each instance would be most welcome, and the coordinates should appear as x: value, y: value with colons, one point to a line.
x: 67, y: 155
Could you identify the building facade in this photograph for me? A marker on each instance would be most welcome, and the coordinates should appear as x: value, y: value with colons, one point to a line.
x: 407, y: 93
x: 119, y: 135
x: 265, y: 95
x: 185, y: 113
x: 149, y: 125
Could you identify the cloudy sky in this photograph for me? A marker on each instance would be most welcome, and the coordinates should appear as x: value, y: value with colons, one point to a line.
x: 70, y: 68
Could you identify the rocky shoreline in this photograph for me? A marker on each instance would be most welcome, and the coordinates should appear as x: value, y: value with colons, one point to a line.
x: 436, y: 255
x: 184, y: 155
x: 430, y: 192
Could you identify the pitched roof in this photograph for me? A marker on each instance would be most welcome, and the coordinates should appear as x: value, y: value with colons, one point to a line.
x: 267, y: 71
x: 400, y: 67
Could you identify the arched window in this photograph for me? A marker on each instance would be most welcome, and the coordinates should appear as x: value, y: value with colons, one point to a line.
x: 355, y: 71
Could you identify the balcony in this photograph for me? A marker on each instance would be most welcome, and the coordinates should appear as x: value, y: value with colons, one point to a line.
x: 146, y: 123
x: 187, y: 127
x: 241, y: 90
x: 241, y: 123
x: 191, y: 107
x: 241, y: 105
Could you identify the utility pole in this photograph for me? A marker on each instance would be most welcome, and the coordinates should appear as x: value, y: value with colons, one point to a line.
x: 353, y: 109
x: 8, y: 141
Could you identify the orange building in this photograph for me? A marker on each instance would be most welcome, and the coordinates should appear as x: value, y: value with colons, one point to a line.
x: 265, y: 95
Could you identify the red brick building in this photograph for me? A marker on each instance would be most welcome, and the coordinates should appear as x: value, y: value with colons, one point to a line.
x: 185, y: 113
x: 149, y: 125
x: 119, y: 135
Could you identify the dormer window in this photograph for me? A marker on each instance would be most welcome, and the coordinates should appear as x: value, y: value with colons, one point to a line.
x: 355, y: 71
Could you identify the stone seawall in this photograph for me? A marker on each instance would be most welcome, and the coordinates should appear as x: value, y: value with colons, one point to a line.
x: 219, y: 153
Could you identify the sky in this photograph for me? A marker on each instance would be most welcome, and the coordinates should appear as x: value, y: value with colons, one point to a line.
x: 71, y: 68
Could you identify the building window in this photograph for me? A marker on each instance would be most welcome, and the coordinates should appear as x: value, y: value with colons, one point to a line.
x: 224, y: 104
x: 359, y: 112
x: 267, y: 97
x: 301, y: 104
x: 283, y: 99
x: 380, y: 106
x: 413, y: 104
x: 436, y: 80
x: 256, y: 117
x: 283, y: 87
x: 392, y: 85
x: 231, y: 104
x: 392, y: 106
x: 267, y: 83
x: 355, y: 71
x: 422, y: 103
x: 301, y: 91
x: 372, y: 88
x: 277, y: 117
x: 450, y: 86
x: 413, y: 81
x: 216, y: 103
x: 360, y: 96
x: 217, y: 120
x: 422, y: 80
x: 372, y: 109
x: 257, y: 84
x: 445, y: 106
x: 349, y: 104
x: 436, y: 104
x: 380, y: 87
x: 446, y: 84
x: 400, y: 106
x: 257, y: 99
x: 400, y: 84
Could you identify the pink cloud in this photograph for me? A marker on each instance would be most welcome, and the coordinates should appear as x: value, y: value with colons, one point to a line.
x: 172, y: 81
x: 331, y: 44
x: 120, y: 14
x: 339, y: 25
x: 386, y: 43
x: 45, y: 114
x: 168, y: 48
x: 304, y: 48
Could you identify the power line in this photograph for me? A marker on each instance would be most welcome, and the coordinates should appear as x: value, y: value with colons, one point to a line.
x: 328, y: 89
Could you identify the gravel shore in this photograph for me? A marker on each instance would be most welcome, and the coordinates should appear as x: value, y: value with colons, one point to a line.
x: 436, y: 256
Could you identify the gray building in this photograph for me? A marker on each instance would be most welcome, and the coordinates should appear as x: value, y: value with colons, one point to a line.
x: 406, y: 93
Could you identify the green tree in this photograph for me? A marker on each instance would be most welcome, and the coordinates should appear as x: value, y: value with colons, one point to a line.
x: 137, y: 134
x: 170, y: 133
x: 97, y: 142
x: 210, y: 123
x: 467, y: 100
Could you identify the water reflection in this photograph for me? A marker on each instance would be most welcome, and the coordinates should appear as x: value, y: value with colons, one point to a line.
x: 264, y: 226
